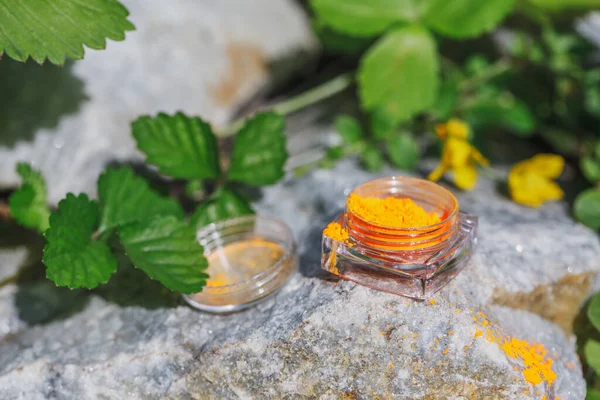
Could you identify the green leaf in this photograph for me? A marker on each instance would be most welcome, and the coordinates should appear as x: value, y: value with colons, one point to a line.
x: 372, y: 159
x: 592, y: 394
x: 365, y: 18
x: 180, y: 146
x: 259, y: 151
x: 503, y: 110
x: 562, y: 5
x: 223, y: 204
x: 55, y: 30
x: 403, y: 151
x: 337, y: 42
x: 399, y: 74
x: 383, y: 125
x: 466, y: 18
x: 593, y: 311
x: 28, y: 203
x: 167, y: 251
x: 335, y: 153
x: 446, y: 102
x: 592, y: 354
x: 126, y: 198
x: 349, y: 129
x: 72, y: 257
x: 561, y: 141
x: 587, y: 208
x: 590, y: 168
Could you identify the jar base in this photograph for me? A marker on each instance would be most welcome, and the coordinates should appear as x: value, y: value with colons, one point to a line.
x: 415, y: 280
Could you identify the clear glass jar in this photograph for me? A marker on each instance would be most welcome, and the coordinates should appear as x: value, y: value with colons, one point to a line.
x: 413, y: 262
x: 249, y: 258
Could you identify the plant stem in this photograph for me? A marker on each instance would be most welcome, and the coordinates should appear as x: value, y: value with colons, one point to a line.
x: 304, y: 99
x: 498, y: 68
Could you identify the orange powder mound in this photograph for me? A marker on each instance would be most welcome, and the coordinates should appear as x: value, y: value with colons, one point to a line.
x: 335, y: 231
x: 391, y: 212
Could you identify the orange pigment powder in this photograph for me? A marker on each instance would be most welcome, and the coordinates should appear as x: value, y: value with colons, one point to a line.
x: 335, y: 231
x: 392, y: 212
x: 535, y: 365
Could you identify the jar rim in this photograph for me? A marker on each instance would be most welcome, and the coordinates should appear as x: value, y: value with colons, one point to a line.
x: 415, y: 181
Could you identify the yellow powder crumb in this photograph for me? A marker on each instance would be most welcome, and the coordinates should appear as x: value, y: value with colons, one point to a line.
x: 335, y: 231
x: 445, y: 351
x: 457, y: 310
x: 570, y: 365
x: 415, y: 335
x: 391, y: 365
x: 451, y: 332
x: 392, y: 212
x: 466, y: 348
x: 532, y: 356
x: 432, y: 301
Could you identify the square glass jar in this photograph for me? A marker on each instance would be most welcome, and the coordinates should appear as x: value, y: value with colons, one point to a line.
x: 412, y: 262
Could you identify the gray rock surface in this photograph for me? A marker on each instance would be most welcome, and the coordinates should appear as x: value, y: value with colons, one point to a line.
x: 320, y: 337
x: 203, y: 57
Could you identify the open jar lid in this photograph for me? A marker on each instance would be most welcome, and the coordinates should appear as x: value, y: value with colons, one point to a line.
x: 249, y: 258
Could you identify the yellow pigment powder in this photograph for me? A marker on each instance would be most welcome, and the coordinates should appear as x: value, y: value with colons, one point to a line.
x: 535, y: 364
x: 392, y: 212
x: 335, y: 231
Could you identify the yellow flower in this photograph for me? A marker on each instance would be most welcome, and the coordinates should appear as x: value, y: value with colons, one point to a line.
x: 453, y: 128
x: 458, y: 155
x: 530, y: 181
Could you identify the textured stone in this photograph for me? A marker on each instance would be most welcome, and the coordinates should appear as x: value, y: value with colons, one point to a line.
x: 202, y: 57
x: 320, y: 337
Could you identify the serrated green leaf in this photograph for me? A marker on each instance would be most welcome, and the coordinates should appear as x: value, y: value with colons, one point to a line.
x: 223, y: 204
x: 399, y: 74
x: 593, y: 311
x: 372, y: 159
x: 166, y: 250
x: 587, y: 208
x: 365, y: 18
x: 72, y: 257
x: 592, y: 354
x: 403, y: 151
x: 348, y: 128
x: 259, y: 151
x: 55, y: 30
x: 180, y: 146
x: 126, y: 198
x: 590, y: 168
x: 466, y: 18
x: 28, y: 203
